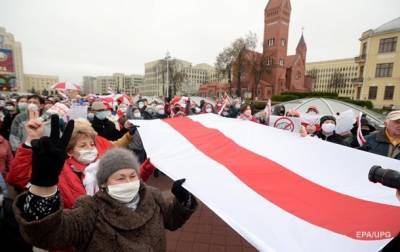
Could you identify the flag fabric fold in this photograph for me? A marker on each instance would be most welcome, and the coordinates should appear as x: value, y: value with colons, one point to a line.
x: 280, y: 191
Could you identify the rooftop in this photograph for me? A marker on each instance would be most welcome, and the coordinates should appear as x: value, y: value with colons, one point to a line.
x: 393, y: 25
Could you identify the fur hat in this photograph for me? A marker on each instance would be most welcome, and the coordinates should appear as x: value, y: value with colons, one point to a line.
x: 114, y: 160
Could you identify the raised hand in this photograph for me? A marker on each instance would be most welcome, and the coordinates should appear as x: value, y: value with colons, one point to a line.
x: 34, y: 127
x: 49, y: 154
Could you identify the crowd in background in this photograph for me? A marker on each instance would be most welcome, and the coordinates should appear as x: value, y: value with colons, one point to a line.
x: 107, y: 125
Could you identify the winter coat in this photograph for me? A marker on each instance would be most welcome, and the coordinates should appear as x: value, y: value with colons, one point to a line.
x: 106, y: 129
x: 6, y: 156
x: 70, y: 181
x: 378, y: 143
x: 6, y: 126
x: 335, y: 138
x: 100, y: 223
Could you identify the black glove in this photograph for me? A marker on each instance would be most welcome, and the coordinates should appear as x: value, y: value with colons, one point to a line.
x: 49, y: 154
x: 133, y: 129
x: 181, y: 194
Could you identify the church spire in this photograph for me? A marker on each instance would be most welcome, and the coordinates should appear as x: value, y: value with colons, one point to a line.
x: 301, y: 48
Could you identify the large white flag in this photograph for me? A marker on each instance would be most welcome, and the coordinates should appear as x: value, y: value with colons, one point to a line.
x: 280, y: 191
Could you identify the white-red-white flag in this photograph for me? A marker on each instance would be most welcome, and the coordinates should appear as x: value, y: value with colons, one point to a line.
x: 280, y: 191
x: 360, y: 138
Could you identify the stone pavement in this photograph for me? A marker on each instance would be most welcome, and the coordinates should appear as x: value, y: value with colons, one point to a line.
x: 204, y: 231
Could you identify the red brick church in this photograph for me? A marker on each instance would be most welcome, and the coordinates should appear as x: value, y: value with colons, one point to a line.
x: 273, y: 70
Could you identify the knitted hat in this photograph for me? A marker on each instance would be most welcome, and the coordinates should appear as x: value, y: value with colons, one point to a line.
x: 325, y: 118
x: 114, y: 160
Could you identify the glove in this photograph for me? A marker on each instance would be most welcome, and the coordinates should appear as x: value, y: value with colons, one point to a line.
x: 181, y: 194
x: 133, y: 129
x: 48, y: 154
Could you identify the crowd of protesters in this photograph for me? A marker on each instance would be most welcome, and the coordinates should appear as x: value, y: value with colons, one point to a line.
x: 103, y: 156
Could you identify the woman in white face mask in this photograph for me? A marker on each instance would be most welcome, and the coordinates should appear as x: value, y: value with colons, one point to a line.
x: 83, y: 150
x: 125, y: 215
x: 327, y: 131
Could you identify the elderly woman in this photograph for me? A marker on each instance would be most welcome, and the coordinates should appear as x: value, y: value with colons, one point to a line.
x: 83, y: 149
x: 125, y: 215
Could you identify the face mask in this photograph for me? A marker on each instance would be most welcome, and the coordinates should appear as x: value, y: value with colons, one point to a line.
x: 225, y: 113
x: 90, y: 116
x: 137, y: 115
x: 141, y: 105
x: 22, y: 106
x: 101, y: 115
x: 197, y: 110
x: 161, y: 112
x: 87, y: 156
x: 125, y: 192
x: 33, y: 107
x: 328, y: 128
x: 312, y: 113
x: 10, y: 108
x: 247, y: 112
x: 237, y: 106
x: 208, y: 110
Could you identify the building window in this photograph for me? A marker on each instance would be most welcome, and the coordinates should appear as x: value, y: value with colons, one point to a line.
x: 270, y: 62
x: 281, y: 62
x: 389, y: 91
x: 384, y: 70
x: 271, y: 42
x: 372, y: 93
x: 283, y: 42
x: 387, y: 45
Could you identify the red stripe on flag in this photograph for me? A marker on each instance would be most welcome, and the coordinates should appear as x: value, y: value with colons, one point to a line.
x: 356, y: 218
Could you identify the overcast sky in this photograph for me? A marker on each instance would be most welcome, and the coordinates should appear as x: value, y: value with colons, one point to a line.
x: 73, y: 38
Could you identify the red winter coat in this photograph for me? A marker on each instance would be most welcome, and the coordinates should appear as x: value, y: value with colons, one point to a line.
x: 6, y: 156
x: 70, y: 180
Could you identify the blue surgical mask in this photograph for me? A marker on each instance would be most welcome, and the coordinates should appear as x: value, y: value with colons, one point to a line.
x: 22, y: 106
x: 101, y: 115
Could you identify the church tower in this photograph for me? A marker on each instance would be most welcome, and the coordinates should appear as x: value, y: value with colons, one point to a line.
x: 301, y: 49
x: 276, y: 33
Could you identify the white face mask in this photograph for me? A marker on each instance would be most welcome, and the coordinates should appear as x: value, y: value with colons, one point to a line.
x: 225, y: 113
x: 90, y: 116
x: 141, y: 105
x: 125, y: 192
x: 328, y: 128
x: 33, y: 107
x: 197, y: 110
x: 237, y: 106
x: 312, y: 113
x: 208, y: 110
x: 136, y: 114
x: 87, y: 156
x: 161, y: 112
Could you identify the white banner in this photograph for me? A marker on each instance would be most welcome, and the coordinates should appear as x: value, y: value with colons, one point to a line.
x: 280, y: 191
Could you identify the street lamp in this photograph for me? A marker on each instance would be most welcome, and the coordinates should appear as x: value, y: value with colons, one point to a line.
x: 167, y: 58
